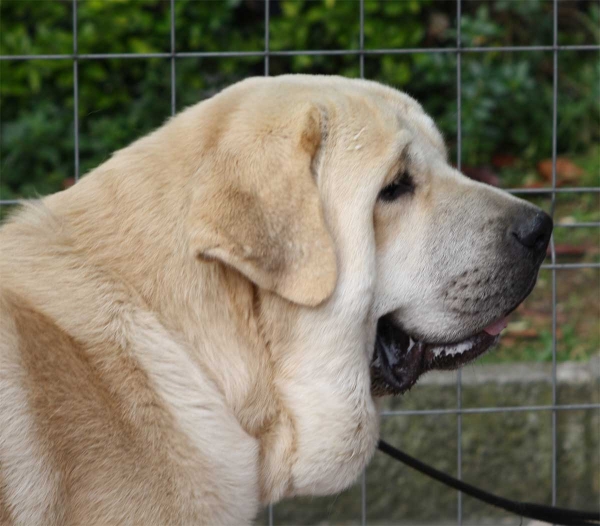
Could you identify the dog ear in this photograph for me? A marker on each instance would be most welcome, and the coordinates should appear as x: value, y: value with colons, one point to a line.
x: 258, y: 208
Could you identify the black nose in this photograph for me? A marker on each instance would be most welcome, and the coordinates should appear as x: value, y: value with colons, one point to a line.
x: 532, y: 229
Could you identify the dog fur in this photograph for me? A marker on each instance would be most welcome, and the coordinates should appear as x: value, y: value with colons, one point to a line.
x: 186, y: 333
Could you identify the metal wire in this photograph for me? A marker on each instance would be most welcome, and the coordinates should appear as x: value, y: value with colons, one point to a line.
x: 480, y: 410
x: 458, y: 50
x: 173, y: 80
x: 361, y: 43
x: 291, y: 53
x: 552, y: 244
x: 75, y: 93
x: 267, y: 34
x: 459, y: 499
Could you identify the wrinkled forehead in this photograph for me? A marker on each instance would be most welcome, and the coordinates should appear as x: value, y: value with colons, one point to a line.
x: 403, y: 112
x: 376, y: 111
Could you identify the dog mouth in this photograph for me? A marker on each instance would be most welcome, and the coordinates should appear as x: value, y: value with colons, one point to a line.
x: 398, y: 360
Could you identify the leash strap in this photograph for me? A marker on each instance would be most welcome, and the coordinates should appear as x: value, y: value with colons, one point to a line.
x: 549, y: 514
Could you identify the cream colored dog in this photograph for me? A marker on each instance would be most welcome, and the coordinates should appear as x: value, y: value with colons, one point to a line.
x: 187, y: 333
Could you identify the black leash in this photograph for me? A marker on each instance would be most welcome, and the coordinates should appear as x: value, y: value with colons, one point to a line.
x: 549, y: 514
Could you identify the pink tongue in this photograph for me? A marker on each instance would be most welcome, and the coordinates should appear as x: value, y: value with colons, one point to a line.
x: 496, y: 328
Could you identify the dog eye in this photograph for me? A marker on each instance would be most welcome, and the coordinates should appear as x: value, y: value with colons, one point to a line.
x: 403, y: 184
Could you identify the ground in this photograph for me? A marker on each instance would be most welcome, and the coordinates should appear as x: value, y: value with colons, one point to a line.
x: 528, y: 336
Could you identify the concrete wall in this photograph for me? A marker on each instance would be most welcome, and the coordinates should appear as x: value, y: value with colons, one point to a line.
x: 508, y: 453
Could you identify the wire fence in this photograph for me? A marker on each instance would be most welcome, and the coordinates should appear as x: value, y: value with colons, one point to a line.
x: 458, y: 50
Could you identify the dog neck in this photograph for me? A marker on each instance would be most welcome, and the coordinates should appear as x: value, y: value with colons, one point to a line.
x: 288, y: 374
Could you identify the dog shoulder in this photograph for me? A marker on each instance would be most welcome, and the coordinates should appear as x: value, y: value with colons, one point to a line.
x: 29, y: 489
x: 79, y: 418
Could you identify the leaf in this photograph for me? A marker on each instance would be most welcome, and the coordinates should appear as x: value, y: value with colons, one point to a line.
x: 504, y: 160
x: 566, y: 170
x: 482, y: 174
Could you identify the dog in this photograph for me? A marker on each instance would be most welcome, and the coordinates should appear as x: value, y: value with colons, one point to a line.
x: 203, y: 324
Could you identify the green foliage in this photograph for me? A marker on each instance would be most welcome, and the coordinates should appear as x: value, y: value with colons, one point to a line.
x: 506, y: 97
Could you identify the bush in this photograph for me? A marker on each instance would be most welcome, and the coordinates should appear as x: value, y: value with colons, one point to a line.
x: 506, y: 97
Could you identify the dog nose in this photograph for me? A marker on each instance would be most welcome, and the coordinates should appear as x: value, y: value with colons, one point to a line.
x: 532, y: 229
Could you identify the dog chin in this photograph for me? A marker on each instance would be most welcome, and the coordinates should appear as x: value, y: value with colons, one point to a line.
x: 399, y: 360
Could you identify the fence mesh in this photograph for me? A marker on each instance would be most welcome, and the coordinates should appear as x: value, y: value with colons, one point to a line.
x: 458, y: 50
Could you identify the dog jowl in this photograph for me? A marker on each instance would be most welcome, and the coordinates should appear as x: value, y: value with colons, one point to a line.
x: 479, y: 266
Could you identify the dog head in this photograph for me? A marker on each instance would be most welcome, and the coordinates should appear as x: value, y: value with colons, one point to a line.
x: 337, y: 194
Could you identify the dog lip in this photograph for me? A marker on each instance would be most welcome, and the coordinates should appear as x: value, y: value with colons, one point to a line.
x: 399, y: 361
x: 442, y: 357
